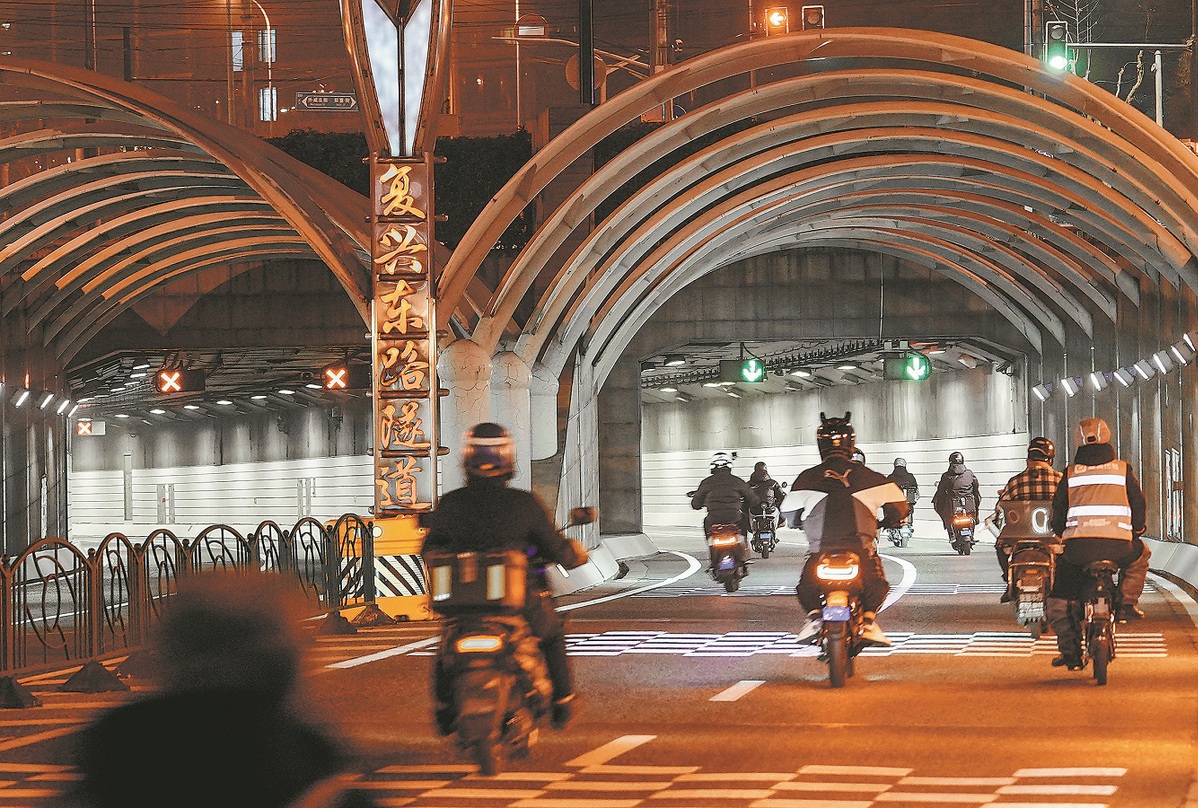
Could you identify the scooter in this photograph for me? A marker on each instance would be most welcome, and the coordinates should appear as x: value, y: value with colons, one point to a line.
x: 1023, y: 530
x: 839, y: 576
x: 1100, y: 605
x: 961, y: 529
x: 500, y: 683
x: 728, y: 563
x: 899, y: 536
x: 765, y: 527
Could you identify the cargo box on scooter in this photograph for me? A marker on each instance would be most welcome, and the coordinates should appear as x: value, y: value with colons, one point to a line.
x: 474, y: 582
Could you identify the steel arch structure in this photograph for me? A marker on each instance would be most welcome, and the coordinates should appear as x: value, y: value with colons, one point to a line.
x: 1047, y: 196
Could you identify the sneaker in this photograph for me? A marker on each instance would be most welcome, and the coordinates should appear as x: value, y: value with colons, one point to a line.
x: 871, y: 632
x: 1130, y: 611
x: 809, y: 633
x: 1071, y: 661
x: 563, y: 711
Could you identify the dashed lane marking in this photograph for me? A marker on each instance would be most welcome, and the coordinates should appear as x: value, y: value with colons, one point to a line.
x: 737, y: 690
x: 609, y: 750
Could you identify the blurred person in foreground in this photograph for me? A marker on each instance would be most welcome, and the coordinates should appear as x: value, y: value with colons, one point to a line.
x: 221, y: 730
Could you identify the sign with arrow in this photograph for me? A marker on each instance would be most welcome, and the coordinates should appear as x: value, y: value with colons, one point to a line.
x: 326, y: 102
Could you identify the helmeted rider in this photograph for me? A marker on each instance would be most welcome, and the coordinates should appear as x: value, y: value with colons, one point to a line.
x: 957, y: 483
x: 765, y: 486
x: 840, y: 500
x: 728, y: 498
x: 1099, y: 511
x: 487, y: 515
x: 1036, y: 483
x: 906, y: 481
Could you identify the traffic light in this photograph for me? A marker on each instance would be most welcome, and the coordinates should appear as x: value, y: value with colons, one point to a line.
x: 813, y: 18
x: 910, y: 366
x: 777, y: 20
x: 1056, y: 44
x: 346, y: 377
x: 750, y: 370
x: 169, y: 381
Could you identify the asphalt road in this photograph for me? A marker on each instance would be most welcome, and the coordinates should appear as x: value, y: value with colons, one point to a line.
x: 694, y: 697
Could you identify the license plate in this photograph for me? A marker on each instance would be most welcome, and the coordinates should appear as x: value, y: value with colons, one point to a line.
x: 727, y: 563
x: 837, y: 614
x: 766, y: 535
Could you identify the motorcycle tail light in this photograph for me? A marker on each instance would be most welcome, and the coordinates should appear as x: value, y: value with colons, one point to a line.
x: 962, y: 520
x: 835, y: 572
x: 725, y: 540
x: 478, y: 643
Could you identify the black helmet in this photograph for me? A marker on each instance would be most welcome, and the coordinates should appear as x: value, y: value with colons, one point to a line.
x: 1041, y: 449
x: 488, y: 451
x: 835, y: 436
x: 956, y: 458
x: 759, y: 466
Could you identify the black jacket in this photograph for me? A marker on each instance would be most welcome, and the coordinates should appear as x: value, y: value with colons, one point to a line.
x: 956, y: 483
x: 487, y: 515
x: 725, y: 496
x: 906, y: 481
x: 840, y: 499
x: 1095, y: 454
x: 762, y: 484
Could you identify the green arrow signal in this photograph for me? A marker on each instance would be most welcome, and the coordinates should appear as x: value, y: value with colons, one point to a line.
x: 917, y: 367
x: 752, y: 370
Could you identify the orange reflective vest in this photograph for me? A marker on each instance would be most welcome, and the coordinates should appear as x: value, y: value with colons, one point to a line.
x: 1098, y: 503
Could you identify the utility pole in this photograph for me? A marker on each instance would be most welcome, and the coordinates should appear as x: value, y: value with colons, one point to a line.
x: 586, y: 51
x: 89, y: 34
x: 659, y: 58
x: 1194, y: 70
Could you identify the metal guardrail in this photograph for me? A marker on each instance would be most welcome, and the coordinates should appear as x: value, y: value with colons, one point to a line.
x: 59, y: 604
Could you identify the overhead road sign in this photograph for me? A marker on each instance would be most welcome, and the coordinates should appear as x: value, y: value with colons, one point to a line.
x: 326, y: 102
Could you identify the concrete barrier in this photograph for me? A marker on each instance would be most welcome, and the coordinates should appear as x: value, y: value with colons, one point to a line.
x: 1177, y: 561
x: 603, y: 564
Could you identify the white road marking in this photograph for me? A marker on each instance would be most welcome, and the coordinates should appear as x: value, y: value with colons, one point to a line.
x: 872, y: 771
x: 782, y: 802
x: 928, y: 796
x: 38, y: 737
x: 1071, y: 790
x: 552, y: 802
x: 719, y: 777
x: 909, y: 576
x: 399, y: 650
x: 956, y: 781
x: 712, y: 794
x: 813, y: 785
x: 1073, y: 772
x: 737, y: 690
x: 660, y: 771
x: 610, y: 750
x: 693, y: 566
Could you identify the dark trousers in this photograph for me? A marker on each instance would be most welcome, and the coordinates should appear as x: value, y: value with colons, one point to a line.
x: 874, y: 586
x: 1070, y: 580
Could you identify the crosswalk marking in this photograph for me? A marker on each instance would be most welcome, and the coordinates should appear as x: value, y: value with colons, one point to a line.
x: 713, y: 590
x: 737, y: 690
x: 610, y: 750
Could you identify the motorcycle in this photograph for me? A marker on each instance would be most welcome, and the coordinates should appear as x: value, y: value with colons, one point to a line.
x: 1100, y: 605
x: 839, y: 576
x: 765, y: 526
x: 899, y: 536
x: 1024, y: 530
x: 728, y: 562
x: 961, y: 529
x: 500, y: 684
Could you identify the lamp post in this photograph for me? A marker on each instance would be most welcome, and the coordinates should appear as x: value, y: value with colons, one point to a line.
x: 266, y: 52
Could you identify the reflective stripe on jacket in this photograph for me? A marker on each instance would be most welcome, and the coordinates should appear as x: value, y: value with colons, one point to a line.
x: 1098, y: 503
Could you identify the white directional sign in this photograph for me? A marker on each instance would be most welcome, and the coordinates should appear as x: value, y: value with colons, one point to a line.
x: 326, y: 102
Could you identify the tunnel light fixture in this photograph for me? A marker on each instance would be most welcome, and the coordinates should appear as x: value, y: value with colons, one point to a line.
x: 711, y: 384
x: 1125, y: 376
x: 648, y: 365
x: 158, y: 411
x: 286, y: 392
x: 1163, y: 362
x: 674, y: 360
x: 45, y: 402
x: 259, y: 397
x: 1044, y: 390
x: 793, y: 387
x: 74, y: 410
x: 313, y: 386
x: 1071, y: 385
x: 224, y: 402
x: 733, y: 392
x: 62, y: 407
x: 122, y: 415
x: 967, y: 361
x: 1182, y: 352
x: 683, y: 397
x: 1100, y: 379
x: 847, y: 366
x: 1144, y: 369
x: 192, y: 407
x: 802, y: 373
x: 1191, y: 339
x: 668, y: 389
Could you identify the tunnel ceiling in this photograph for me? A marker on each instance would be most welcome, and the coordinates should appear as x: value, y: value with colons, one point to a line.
x: 111, y: 191
x: 1044, y: 195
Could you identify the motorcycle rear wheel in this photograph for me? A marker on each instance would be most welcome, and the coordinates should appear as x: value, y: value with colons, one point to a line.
x: 766, y: 547
x: 731, y: 583
x: 1101, y: 655
x: 487, y: 758
x: 838, y: 654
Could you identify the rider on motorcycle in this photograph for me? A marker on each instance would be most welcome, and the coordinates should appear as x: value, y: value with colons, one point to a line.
x: 486, y: 515
x: 840, y: 499
x: 1099, y: 511
x: 764, y: 485
x: 1036, y: 483
x: 906, y: 481
x: 727, y: 497
x: 958, y: 483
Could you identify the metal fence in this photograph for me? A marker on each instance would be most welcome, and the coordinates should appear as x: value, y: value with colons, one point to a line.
x: 59, y: 604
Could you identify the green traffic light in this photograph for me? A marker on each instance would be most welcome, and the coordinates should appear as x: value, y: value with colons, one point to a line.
x: 752, y: 370
x: 917, y: 367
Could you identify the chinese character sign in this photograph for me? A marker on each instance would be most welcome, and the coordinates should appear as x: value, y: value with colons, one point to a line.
x: 405, y: 338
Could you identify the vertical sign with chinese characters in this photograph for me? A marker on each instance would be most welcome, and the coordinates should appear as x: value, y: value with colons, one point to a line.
x: 405, y: 337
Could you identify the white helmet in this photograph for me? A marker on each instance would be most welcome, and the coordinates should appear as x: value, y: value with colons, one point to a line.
x: 721, y: 460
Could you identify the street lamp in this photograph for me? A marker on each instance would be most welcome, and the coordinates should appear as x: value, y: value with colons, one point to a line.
x: 268, y: 102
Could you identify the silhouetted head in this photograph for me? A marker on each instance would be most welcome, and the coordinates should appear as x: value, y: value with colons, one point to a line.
x: 1093, y: 430
x: 489, y: 452
x: 1041, y: 449
x: 835, y: 436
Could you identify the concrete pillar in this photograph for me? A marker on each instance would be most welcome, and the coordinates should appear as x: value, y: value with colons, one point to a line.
x: 620, y: 448
x: 544, y: 413
x: 511, y: 403
x: 579, y: 484
x: 464, y: 369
